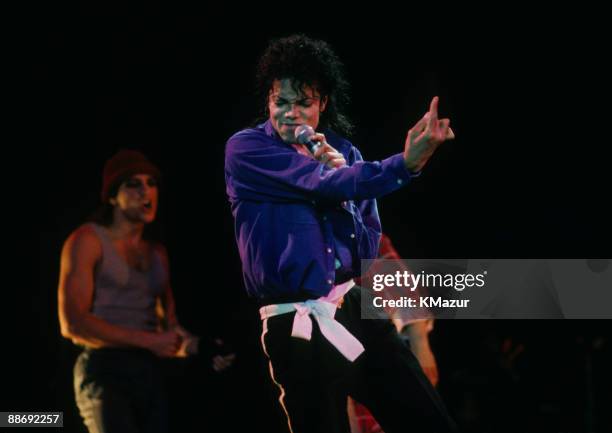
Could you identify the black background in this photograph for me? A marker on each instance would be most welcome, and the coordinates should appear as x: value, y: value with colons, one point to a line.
x: 526, y: 177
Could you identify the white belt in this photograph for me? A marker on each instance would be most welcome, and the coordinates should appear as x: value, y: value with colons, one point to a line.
x: 323, y: 309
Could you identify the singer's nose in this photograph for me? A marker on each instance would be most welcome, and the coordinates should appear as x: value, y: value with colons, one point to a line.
x: 291, y: 113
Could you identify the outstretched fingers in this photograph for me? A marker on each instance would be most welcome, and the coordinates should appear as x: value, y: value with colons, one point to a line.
x: 432, y: 121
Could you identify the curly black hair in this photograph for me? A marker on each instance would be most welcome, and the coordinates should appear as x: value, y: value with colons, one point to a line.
x: 306, y: 62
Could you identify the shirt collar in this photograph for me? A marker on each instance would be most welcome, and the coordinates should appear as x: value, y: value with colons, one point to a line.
x: 270, y: 131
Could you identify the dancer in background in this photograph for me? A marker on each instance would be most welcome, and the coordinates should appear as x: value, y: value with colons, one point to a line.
x: 115, y: 300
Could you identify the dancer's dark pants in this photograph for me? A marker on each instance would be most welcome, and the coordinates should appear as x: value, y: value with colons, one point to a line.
x: 120, y: 391
x: 315, y: 379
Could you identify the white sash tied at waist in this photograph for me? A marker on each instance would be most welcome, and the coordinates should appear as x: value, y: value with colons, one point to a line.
x: 323, y: 310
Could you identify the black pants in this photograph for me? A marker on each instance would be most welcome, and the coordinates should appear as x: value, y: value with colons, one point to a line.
x: 315, y: 379
x: 120, y: 391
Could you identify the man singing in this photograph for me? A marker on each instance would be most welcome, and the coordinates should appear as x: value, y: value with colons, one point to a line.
x: 303, y: 222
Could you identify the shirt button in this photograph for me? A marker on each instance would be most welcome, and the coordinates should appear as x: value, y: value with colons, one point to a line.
x: 352, y: 235
x: 324, y: 218
x: 399, y: 181
x: 329, y: 281
x: 329, y: 250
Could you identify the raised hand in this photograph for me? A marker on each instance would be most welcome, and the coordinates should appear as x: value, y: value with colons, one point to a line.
x: 425, y: 136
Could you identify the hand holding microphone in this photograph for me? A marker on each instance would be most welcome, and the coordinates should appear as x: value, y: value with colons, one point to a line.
x: 319, y: 148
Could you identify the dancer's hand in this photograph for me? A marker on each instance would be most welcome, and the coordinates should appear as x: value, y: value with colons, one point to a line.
x: 327, y: 154
x: 189, y: 344
x: 222, y: 361
x: 424, y: 138
x: 164, y: 344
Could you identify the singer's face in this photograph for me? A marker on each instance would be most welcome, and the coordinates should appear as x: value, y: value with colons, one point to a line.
x: 137, y: 198
x: 290, y: 108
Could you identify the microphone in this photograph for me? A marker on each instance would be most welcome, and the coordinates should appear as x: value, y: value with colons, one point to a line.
x: 303, y: 135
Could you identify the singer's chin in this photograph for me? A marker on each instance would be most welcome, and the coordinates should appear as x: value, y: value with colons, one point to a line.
x: 287, y: 135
